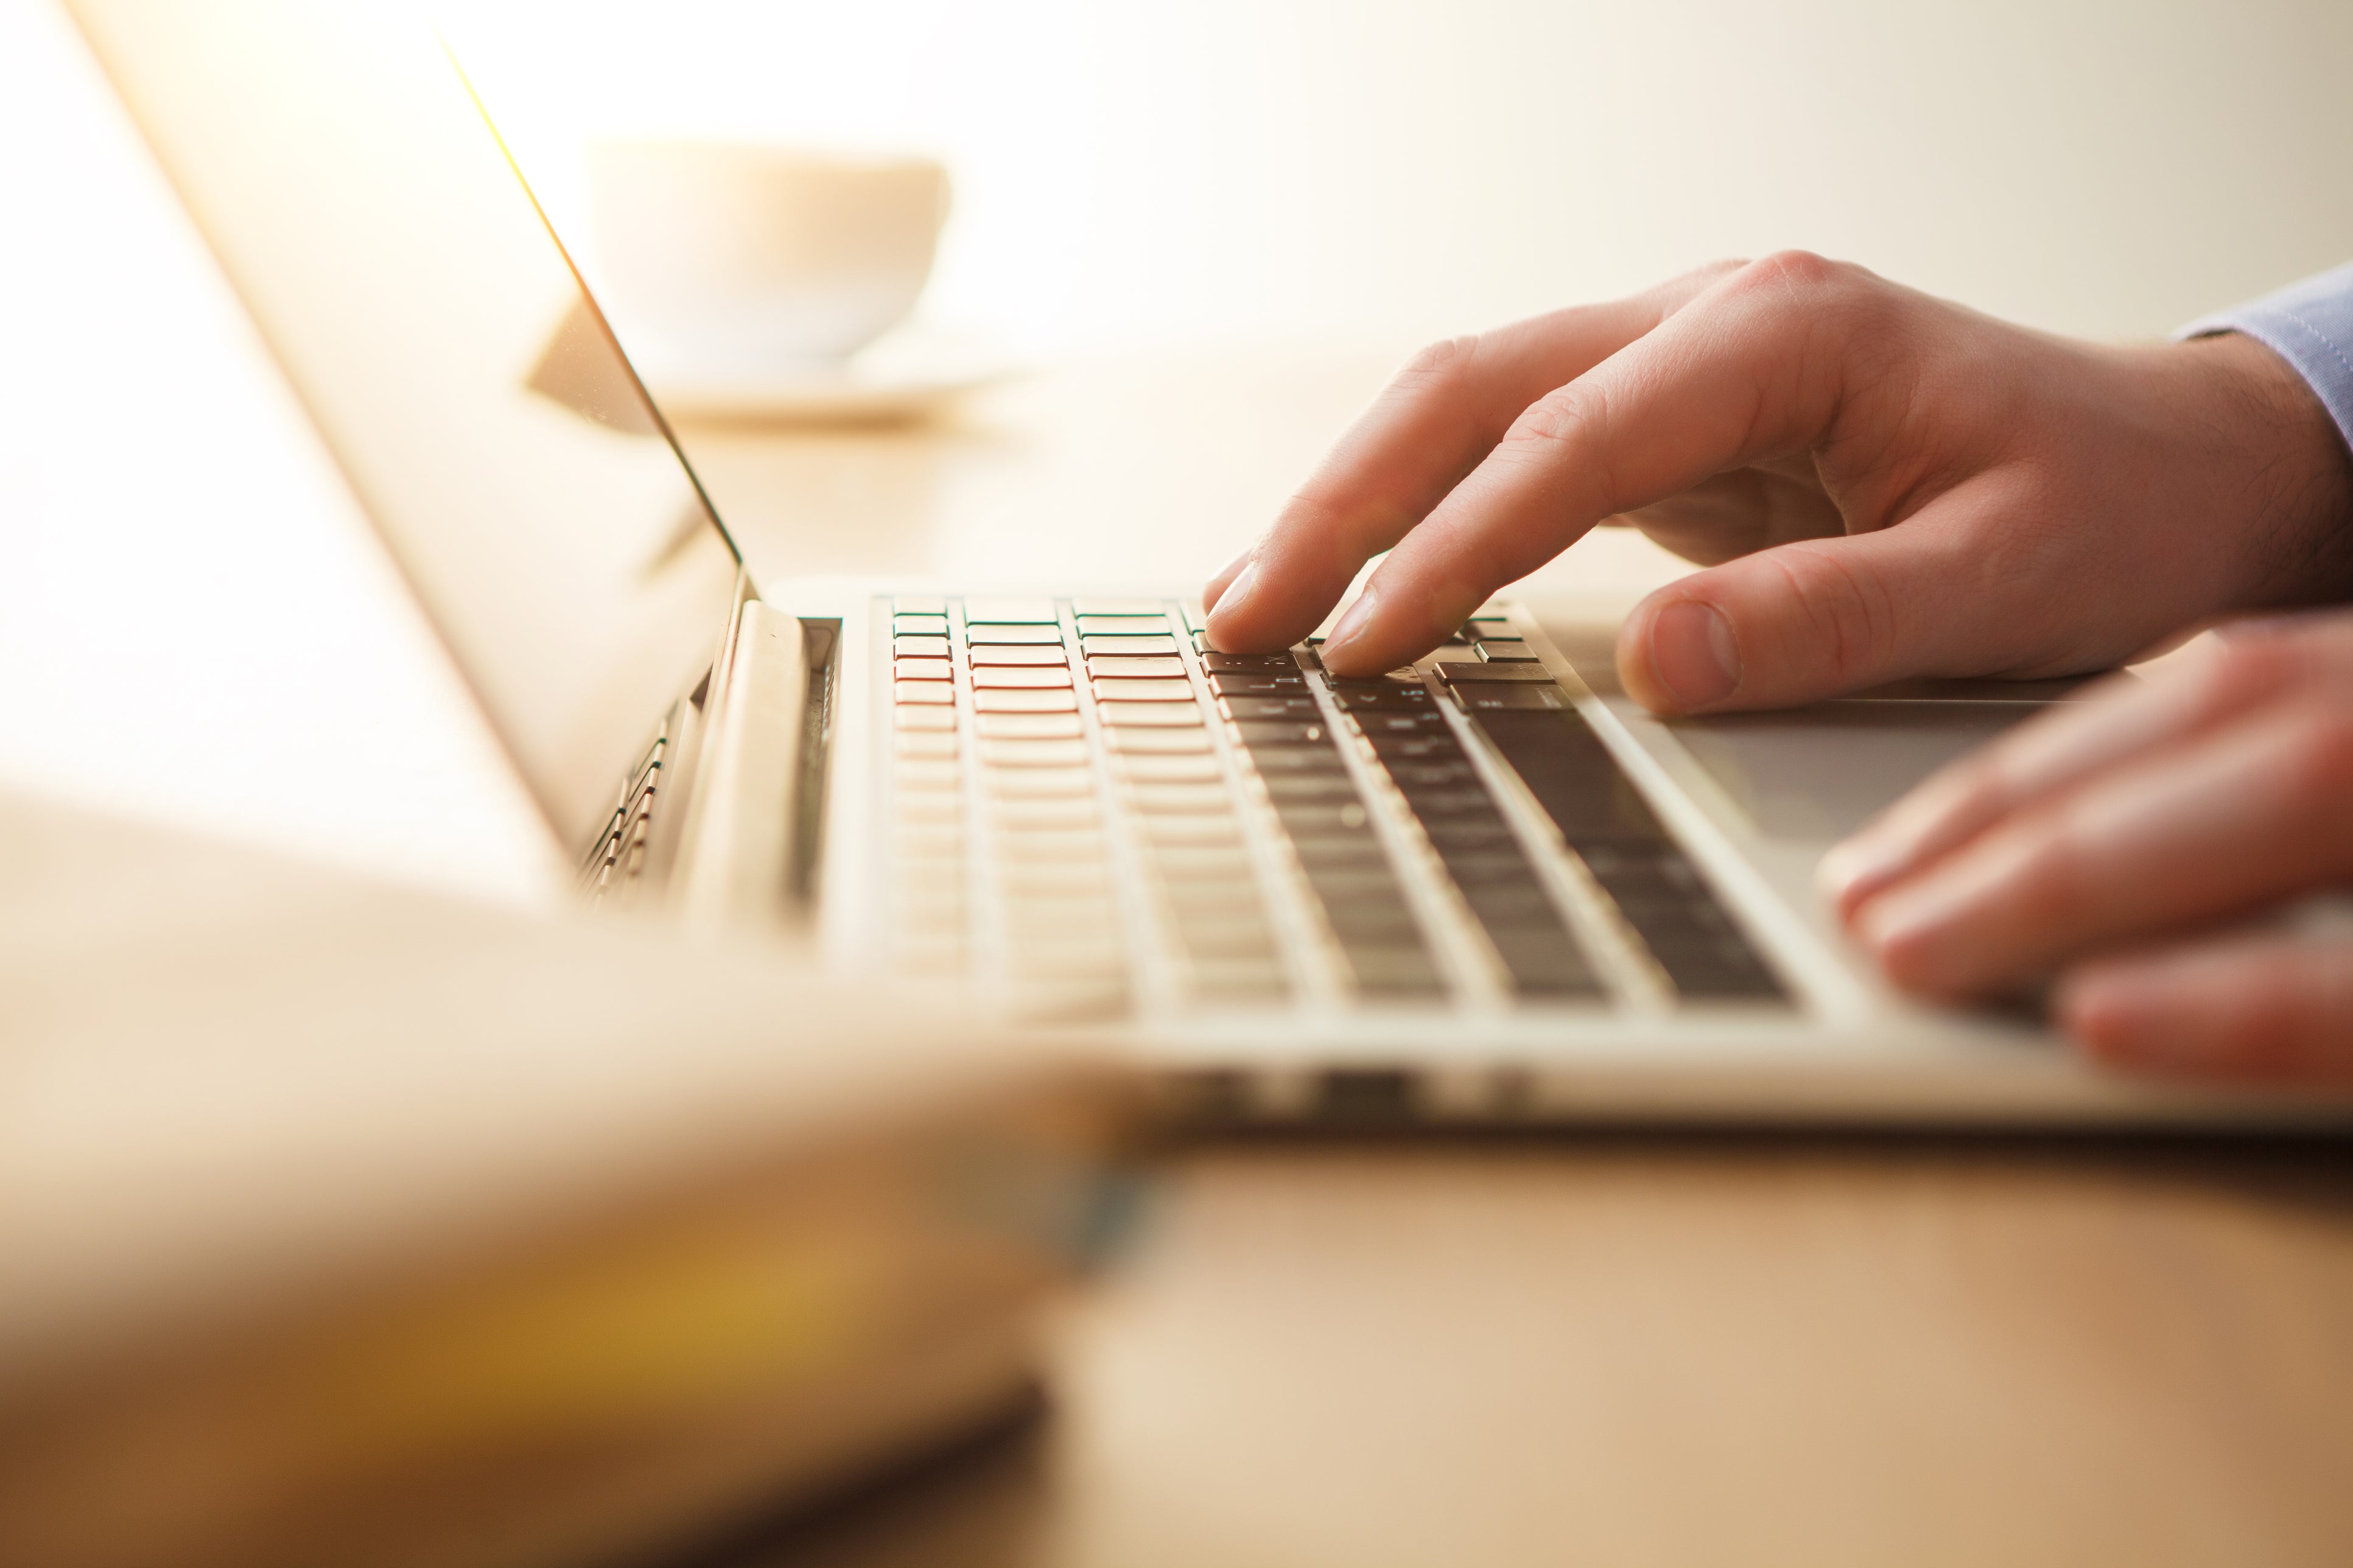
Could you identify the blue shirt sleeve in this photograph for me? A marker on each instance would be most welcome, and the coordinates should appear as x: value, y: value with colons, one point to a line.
x: 2308, y: 325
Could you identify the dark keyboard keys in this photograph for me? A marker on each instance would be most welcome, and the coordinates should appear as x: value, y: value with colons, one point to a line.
x: 1307, y: 781
x: 1608, y: 825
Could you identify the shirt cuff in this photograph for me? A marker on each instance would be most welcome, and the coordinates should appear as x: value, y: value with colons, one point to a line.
x: 2308, y: 325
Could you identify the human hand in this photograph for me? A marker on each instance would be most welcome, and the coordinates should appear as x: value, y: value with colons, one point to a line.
x: 1893, y: 485
x: 2103, y: 842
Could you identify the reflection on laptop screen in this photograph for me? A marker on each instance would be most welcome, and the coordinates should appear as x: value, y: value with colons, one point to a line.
x: 370, y: 221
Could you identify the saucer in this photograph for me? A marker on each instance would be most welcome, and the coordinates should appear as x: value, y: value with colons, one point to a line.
x: 905, y: 377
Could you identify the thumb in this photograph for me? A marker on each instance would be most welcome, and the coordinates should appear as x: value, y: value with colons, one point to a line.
x: 1805, y: 621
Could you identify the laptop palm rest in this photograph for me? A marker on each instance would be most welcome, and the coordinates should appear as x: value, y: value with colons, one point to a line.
x: 1816, y: 774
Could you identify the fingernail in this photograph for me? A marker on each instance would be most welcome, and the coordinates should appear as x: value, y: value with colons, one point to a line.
x: 1353, y: 623
x: 1693, y: 655
x: 1237, y: 592
x: 1857, y: 868
x: 1909, y: 931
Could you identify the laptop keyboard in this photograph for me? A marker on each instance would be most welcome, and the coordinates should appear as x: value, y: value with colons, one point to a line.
x: 1086, y: 798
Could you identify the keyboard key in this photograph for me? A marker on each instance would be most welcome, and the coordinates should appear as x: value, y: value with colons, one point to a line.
x: 1126, y: 666
x: 1320, y: 817
x: 1238, y: 980
x: 1256, y: 734
x: 1412, y: 774
x: 1130, y: 647
x: 1030, y: 752
x: 1055, y: 878
x: 1341, y: 848
x: 1479, y: 868
x: 926, y: 776
x: 920, y: 605
x: 1128, y: 690
x: 1490, y: 674
x: 1324, y: 786
x: 922, y: 807
x: 1028, y: 726
x: 1008, y: 636
x: 1372, y: 921
x: 1511, y: 903
x: 1546, y: 964
x: 1226, y: 683
x: 1099, y: 607
x: 1422, y: 721
x: 1191, y: 830
x: 1416, y: 743
x: 932, y: 719
x: 1157, y: 742
x: 1071, y: 957
x: 922, y: 693
x: 1350, y: 884
x: 1125, y: 626
x: 1436, y: 802
x: 1153, y: 624
x: 1020, y: 676
x: 1297, y: 708
x: 1073, y: 812
x: 1227, y: 939
x: 919, y: 648
x: 1468, y: 832
x: 1505, y: 651
x: 919, y: 625
x: 1051, y: 843
x: 1038, y: 782
x: 1395, y: 971
x: 1182, y: 798
x: 922, y: 670
x: 1198, y: 769
x: 1200, y: 863
x: 1082, y: 915
x: 994, y: 655
x: 1273, y: 760
x: 994, y: 701
x: 1150, y: 715
x: 1382, y: 697
x: 1203, y: 900
x: 923, y: 745
x: 1254, y: 663
x: 1009, y: 612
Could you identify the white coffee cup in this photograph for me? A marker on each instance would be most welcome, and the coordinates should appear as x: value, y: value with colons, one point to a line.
x: 750, y: 260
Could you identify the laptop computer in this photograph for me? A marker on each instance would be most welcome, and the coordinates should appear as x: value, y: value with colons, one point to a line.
x: 1486, y: 888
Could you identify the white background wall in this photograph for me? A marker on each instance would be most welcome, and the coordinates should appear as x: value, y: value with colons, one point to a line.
x: 1399, y: 168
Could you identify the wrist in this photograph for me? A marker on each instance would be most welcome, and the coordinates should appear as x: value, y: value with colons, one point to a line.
x: 2290, y: 476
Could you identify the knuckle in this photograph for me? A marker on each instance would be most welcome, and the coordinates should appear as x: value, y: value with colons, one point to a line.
x: 2320, y: 759
x: 1446, y: 361
x: 2246, y: 667
x: 1560, y: 417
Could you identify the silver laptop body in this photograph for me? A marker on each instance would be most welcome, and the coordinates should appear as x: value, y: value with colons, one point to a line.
x: 1486, y: 888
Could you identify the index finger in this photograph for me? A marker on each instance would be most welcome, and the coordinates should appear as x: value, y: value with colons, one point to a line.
x: 1756, y: 366
x: 1431, y: 425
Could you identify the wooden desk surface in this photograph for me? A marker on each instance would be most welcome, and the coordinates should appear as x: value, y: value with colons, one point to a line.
x: 1625, y: 1350
x: 1683, y: 1351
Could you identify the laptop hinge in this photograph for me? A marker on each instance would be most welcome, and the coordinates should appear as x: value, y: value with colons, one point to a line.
x: 735, y: 852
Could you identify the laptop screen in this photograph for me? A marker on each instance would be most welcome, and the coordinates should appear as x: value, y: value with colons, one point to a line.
x: 368, y: 217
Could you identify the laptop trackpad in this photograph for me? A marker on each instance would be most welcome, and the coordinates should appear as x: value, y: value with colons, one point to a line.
x: 1818, y: 773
